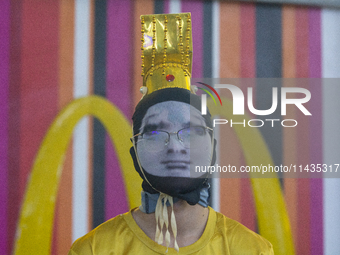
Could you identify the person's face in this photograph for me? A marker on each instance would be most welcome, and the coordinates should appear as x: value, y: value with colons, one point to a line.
x: 165, y: 157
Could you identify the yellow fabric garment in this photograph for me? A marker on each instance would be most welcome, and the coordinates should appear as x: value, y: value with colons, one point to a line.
x: 121, y: 235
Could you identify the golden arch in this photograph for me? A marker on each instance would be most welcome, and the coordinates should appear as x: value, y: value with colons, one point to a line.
x: 273, y: 220
x: 36, y: 220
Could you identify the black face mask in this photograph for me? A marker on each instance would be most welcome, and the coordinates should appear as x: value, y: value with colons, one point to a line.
x: 185, y: 188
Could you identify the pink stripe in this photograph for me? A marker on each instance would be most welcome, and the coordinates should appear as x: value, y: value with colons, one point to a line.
x: 314, y: 16
x: 118, y: 69
x: 316, y: 208
x: 4, y: 87
x: 196, y: 9
x: 166, y: 6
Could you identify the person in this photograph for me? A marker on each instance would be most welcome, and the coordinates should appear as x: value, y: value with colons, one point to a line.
x: 170, y: 137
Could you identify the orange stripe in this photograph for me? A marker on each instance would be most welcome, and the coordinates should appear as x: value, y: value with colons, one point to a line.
x: 289, y: 134
x: 248, y: 26
x: 248, y: 213
x: 141, y: 7
x: 230, y: 188
x: 230, y: 198
x: 230, y: 67
x: 63, y: 219
x: 66, y: 52
x: 230, y: 41
x: 288, y: 42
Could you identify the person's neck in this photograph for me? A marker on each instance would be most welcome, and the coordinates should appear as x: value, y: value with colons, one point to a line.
x: 190, y: 220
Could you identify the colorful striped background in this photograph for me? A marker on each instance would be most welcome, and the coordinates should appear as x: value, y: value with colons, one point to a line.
x: 52, y: 52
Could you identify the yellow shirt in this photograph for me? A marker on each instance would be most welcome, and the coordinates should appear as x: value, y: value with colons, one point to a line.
x: 121, y: 235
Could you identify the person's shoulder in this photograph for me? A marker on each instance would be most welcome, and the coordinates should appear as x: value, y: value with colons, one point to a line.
x: 100, y: 234
x: 242, y: 240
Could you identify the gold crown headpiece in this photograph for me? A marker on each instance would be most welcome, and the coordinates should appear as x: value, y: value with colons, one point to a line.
x: 166, y: 51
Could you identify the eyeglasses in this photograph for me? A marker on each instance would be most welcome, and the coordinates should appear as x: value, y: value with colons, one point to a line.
x: 189, y: 137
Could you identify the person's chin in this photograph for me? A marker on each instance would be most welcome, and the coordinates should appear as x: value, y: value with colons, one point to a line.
x: 178, y: 172
x: 171, y: 172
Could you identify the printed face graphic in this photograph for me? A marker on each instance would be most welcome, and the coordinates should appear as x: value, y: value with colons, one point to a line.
x: 174, y: 140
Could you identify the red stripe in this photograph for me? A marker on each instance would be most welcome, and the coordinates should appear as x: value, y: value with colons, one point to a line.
x: 248, y: 40
x: 247, y: 65
x: 289, y: 135
x: 14, y: 121
x: 302, y: 63
x: 39, y: 79
x: 303, y: 229
x: 302, y: 70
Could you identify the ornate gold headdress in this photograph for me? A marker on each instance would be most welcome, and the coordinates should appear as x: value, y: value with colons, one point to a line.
x: 166, y: 51
x: 166, y: 63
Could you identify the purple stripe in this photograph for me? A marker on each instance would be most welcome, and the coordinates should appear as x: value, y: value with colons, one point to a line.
x: 196, y: 9
x: 4, y: 90
x: 119, y: 82
x: 314, y: 16
x: 166, y: 6
x: 316, y: 208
